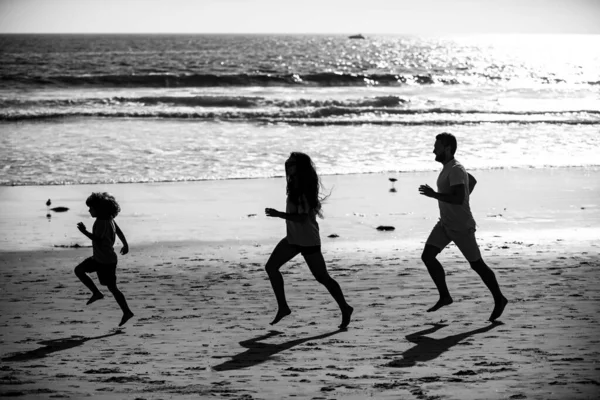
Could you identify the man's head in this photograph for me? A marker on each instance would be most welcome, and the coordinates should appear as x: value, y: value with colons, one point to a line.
x: 445, y: 147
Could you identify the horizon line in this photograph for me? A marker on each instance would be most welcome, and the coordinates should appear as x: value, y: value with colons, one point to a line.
x: 301, y: 33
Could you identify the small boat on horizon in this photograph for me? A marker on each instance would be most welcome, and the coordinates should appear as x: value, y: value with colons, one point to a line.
x: 359, y: 36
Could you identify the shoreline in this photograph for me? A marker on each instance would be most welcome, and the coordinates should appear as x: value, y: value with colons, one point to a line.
x: 391, y: 172
x: 223, y: 211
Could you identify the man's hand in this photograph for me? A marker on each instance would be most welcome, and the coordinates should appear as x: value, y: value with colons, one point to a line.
x: 81, y: 227
x: 271, y: 212
x: 425, y: 190
x: 125, y: 249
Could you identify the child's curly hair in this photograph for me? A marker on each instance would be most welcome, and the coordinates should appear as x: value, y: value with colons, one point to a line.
x: 104, y: 203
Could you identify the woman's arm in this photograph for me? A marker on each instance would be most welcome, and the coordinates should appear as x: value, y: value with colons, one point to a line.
x: 271, y: 212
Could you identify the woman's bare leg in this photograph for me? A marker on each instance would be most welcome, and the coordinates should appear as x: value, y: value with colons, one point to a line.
x: 317, y: 266
x: 282, y: 253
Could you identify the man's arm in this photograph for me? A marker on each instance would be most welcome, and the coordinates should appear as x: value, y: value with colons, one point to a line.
x: 456, y: 195
x: 121, y: 237
x: 472, y: 183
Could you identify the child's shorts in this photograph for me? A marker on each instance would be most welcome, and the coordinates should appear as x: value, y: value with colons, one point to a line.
x: 107, y: 273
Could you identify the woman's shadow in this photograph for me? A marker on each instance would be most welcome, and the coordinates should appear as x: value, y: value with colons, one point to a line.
x: 427, y: 348
x: 260, y: 352
x: 54, y: 345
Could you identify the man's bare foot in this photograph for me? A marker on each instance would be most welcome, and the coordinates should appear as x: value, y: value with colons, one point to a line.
x: 280, y: 314
x: 126, y: 317
x: 95, y: 296
x: 346, y: 315
x: 498, y: 309
x: 443, y: 301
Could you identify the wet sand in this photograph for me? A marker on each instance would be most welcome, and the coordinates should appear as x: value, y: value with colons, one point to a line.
x: 203, y: 307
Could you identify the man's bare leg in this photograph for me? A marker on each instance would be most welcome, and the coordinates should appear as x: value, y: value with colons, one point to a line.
x: 489, y: 278
x: 436, y: 271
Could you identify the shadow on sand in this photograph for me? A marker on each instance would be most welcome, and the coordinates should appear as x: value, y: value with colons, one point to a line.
x: 427, y: 348
x: 52, y: 346
x: 260, y: 352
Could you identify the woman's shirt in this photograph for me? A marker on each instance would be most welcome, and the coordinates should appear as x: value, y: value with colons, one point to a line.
x: 302, y: 233
x: 105, y: 230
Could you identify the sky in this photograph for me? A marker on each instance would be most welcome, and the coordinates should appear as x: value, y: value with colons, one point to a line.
x: 302, y: 16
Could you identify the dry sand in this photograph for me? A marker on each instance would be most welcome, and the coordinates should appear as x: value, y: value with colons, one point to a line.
x: 203, y: 307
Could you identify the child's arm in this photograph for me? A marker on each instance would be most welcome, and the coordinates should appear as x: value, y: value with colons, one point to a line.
x: 121, y: 236
x: 84, y: 230
x: 290, y: 217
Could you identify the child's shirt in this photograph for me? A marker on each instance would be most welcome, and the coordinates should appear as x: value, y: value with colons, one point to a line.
x: 105, y: 230
x: 302, y: 233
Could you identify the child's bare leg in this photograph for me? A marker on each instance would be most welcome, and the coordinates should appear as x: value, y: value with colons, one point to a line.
x: 120, y: 298
x: 89, y: 283
x: 283, y: 253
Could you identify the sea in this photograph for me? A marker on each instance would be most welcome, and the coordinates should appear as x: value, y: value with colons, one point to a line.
x: 97, y: 109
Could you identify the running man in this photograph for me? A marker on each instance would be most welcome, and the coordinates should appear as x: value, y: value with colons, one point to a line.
x: 456, y: 225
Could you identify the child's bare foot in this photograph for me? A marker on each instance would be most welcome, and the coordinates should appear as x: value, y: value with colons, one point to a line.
x: 126, y: 317
x: 498, y: 308
x: 280, y: 314
x: 95, y: 296
x: 346, y: 315
x: 443, y: 301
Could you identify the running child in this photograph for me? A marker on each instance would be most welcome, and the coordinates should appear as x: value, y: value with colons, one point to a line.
x: 104, y: 208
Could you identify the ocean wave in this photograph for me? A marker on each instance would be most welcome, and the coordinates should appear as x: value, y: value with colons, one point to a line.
x: 319, y: 79
x: 393, y: 105
x: 352, y: 113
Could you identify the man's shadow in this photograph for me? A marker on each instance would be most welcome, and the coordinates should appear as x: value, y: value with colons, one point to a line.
x: 54, y: 345
x: 260, y: 352
x: 427, y: 348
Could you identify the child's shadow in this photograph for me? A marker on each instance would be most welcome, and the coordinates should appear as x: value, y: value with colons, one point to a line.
x: 260, y: 352
x: 427, y: 348
x: 51, y: 346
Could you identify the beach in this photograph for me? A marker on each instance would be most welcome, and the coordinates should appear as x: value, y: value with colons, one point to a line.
x: 195, y: 280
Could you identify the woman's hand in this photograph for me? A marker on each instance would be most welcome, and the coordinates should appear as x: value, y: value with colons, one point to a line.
x: 125, y: 249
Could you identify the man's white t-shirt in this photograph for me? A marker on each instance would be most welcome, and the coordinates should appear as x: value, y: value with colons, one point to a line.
x: 455, y: 217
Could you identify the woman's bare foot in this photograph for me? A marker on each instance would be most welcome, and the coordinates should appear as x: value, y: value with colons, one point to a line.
x: 282, y: 312
x: 126, y: 317
x: 95, y: 297
x: 443, y: 301
x: 346, y: 315
x: 498, y: 308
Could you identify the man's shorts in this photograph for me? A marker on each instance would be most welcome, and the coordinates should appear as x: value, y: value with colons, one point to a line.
x: 107, y: 273
x: 441, y: 237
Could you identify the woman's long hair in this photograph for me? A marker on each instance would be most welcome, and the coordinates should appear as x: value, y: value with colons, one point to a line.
x: 305, y: 183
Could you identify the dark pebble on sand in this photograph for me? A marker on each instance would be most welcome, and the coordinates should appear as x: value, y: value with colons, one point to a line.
x: 385, y: 228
